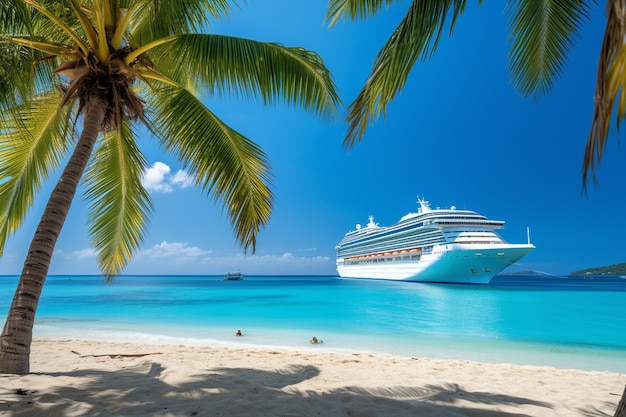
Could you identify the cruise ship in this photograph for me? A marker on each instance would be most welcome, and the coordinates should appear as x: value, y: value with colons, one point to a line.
x: 432, y: 245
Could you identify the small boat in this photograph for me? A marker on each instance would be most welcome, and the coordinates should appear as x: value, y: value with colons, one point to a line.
x: 234, y: 276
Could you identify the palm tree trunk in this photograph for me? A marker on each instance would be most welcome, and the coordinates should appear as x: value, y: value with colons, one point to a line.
x: 17, y: 333
x: 621, y: 407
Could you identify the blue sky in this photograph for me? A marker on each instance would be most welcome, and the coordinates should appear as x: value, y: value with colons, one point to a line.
x: 458, y: 134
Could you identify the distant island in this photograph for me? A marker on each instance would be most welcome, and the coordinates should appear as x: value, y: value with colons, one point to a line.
x: 617, y: 269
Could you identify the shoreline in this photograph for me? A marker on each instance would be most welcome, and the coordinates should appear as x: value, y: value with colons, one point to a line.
x: 72, y: 377
x: 495, y: 351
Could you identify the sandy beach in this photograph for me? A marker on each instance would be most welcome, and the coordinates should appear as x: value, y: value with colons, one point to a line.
x: 93, y: 378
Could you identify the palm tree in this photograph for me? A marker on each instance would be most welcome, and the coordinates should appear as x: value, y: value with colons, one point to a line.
x: 543, y: 32
x: 116, y: 66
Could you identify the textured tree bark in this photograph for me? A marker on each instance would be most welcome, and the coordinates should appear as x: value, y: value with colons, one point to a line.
x: 17, y: 333
x: 621, y: 407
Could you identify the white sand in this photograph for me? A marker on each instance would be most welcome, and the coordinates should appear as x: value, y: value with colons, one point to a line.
x: 85, y: 378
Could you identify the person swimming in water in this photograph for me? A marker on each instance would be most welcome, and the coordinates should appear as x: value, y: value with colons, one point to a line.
x: 314, y: 340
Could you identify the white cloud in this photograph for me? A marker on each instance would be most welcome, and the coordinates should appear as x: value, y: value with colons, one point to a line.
x: 180, y: 258
x: 286, y: 258
x: 158, y: 178
x: 89, y: 253
x: 154, y: 178
x: 182, y: 179
x: 178, y: 250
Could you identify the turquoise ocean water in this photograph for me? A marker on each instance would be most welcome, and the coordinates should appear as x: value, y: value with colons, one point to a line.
x: 572, y: 322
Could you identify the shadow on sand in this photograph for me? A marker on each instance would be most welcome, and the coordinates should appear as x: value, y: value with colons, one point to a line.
x: 142, y: 391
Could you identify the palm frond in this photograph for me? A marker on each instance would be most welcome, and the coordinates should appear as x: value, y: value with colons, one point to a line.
x: 14, y: 17
x: 354, y: 9
x: 230, y: 168
x: 48, y: 30
x: 111, y: 12
x: 86, y: 25
x: 23, y: 71
x: 119, y: 205
x: 236, y: 66
x: 543, y: 33
x: 610, y: 85
x: 157, y: 19
x: 32, y: 144
x: 101, y: 48
x: 135, y: 54
x: 44, y: 47
x: 30, y: 44
x: 16, y: 75
x: 122, y: 26
x: 415, y: 37
x: 59, y: 23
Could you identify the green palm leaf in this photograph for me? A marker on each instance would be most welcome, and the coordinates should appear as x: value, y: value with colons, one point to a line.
x: 162, y: 18
x: 415, y: 37
x: 610, y: 85
x: 223, y: 162
x: 236, y: 66
x: 24, y: 71
x: 16, y: 79
x: 119, y: 205
x: 14, y: 16
x: 106, y: 54
x: 354, y: 9
x: 543, y: 34
x: 55, y: 23
x: 31, y: 148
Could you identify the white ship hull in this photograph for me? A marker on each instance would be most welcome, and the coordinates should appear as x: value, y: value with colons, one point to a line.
x: 432, y: 245
x: 467, y: 264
